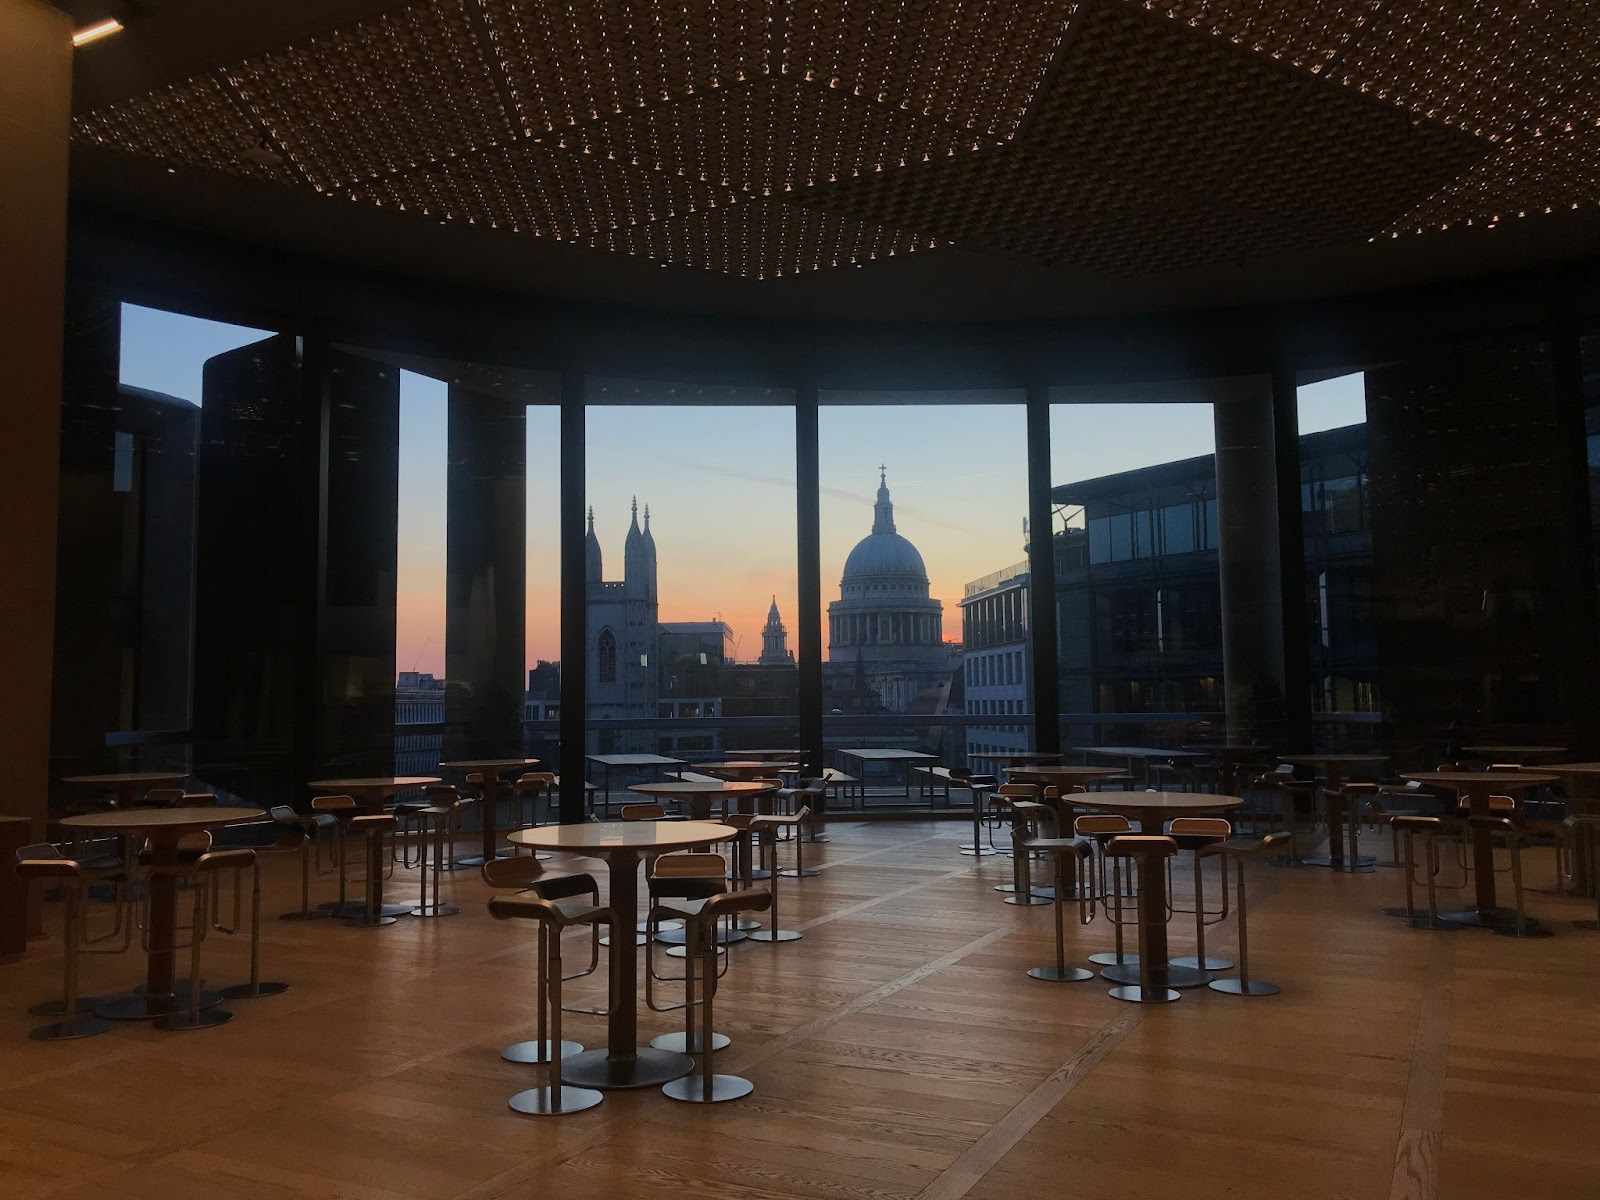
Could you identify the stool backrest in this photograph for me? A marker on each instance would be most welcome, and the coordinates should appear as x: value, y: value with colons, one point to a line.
x: 728, y: 903
x: 1020, y: 791
x: 159, y: 798
x: 197, y: 800
x: 1133, y: 845
x: 643, y: 812
x: 512, y: 872
x: 333, y: 804
x: 1101, y: 823
x: 694, y: 865
x: 536, y: 781
x: 1199, y: 827
x: 39, y: 850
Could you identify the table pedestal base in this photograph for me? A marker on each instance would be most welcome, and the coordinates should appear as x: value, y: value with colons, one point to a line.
x: 1235, y: 987
x: 1498, y: 919
x: 1135, y: 994
x: 147, y: 1007
x: 647, y: 1068
x: 1361, y: 863
x: 1173, y: 977
x: 1053, y: 974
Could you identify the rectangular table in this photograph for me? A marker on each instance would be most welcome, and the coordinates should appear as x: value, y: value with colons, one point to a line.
x: 866, y: 755
x: 658, y: 762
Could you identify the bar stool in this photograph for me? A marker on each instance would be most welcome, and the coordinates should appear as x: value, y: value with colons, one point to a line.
x: 554, y: 919
x: 77, y: 1013
x: 1432, y: 830
x: 764, y: 830
x: 260, y: 837
x: 1281, y: 779
x: 1388, y: 801
x: 309, y: 825
x: 1240, y: 849
x: 204, y: 869
x: 1079, y: 853
x: 343, y: 810
x: 701, y: 922
x: 978, y: 787
x: 529, y: 876
x: 526, y: 793
x: 999, y: 802
x: 1030, y: 820
x: 1144, y: 853
x: 373, y: 827
x: 1513, y: 835
x: 1100, y: 828
x: 682, y: 880
x: 1195, y: 834
x: 441, y: 812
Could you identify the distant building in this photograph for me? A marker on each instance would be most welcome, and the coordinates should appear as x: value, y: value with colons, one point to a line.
x: 620, y: 638
x: 775, y: 640
x: 995, y: 661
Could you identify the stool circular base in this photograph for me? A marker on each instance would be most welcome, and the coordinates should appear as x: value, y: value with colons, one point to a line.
x: 746, y: 924
x: 980, y: 852
x: 760, y: 873
x: 1135, y: 994
x: 808, y: 873
x: 253, y: 991
x: 82, y: 1026
x: 1500, y: 917
x: 646, y: 1068
x: 537, y: 1051
x: 1029, y: 900
x: 1235, y: 987
x: 1108, y: 958
x: 310, y: 914
x: 691, y: 1089
x: 1530, y: 929
x: 144, y: 1007
x: 1054, y: 974
x: 541, y: 1102
x: 1194, y: 964
x: 1421, y: 920
x: 677, y: 937
x: 683, y: 951
x: 363, y: 922
x: 775, y: 935
x: 639, y: 939
x: 58, y: 1008
x: 1361, y: 865
x: 435, y: 910
x: 676, y: 1042
x: 180, y: 1022
x: 1289, y: 864
x: 1586, y: 924
x: 1174, y: 976
x: 333, y: 907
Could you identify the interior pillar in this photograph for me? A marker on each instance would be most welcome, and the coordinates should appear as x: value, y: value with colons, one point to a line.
x: 35, y: 120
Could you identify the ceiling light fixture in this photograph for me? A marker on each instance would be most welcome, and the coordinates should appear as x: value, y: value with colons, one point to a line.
x: 93, y: 33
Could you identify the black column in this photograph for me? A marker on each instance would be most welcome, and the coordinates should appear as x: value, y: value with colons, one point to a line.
x: 808, y: 608
x: 1297, y: 730
x: 1582, y: 605
x: 485, y: 570
x: 574, y: 599
x: 1042, y: 577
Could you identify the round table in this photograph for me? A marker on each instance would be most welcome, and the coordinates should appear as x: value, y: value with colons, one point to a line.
x: 1515, y: 753
x: 699, y: 795
x: 794, y: 754
x: 130, y: 785
x: 1152, y: 810
x: 491, y: 769
x: 623, y: 1063
x: 1333, y: 766
x: 1228, y: 755
x: 371, y: 791
x: 1061, y: 776
x: 1478, y: 786
x: 1017, y: 758
x: 748, y: 769
x: 164, y: 828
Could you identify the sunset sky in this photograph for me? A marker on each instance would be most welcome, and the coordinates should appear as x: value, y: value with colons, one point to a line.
x: 720, y: 485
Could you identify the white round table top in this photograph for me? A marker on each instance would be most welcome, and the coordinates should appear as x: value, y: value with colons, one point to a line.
x: 1505, y: 780
x: 1515, y: 749
x: 1310, y: 759
x: 1176, y: 803
x: 692, y: 787
x: 751, y: 764
x: 373, y: 783
x: 129, y: 777
x: 141, y: 820
x: 602, y: 837
x: 1583, y: 768
x: 489, y: 764
x: 1048, y: 773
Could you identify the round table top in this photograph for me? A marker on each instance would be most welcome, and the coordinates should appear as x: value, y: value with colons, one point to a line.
x: 489, y: 764
x: 129, y: 777
x: 1505, y: 780
x: 1228, y: 748
x: 1513, y: 749
x: 375, y: 782
x: 1173, y: 803
x: 742, y: 765
x: 795, y: 752
x: 690, y: 787
x: 142, y: 820
x: 1050, y: 774
x: 1332, y: 758
x: 1583, y: 768
x: 599, y: 838
x: 1016, y: 756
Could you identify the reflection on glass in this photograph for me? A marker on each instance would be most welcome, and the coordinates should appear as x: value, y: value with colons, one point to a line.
x: 420, y: 574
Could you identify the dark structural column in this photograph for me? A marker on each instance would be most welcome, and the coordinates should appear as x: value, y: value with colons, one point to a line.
x: 1292, y: 560
x: 1482, y: 578
x: 485, y: 573
x: 574, y: 599
x: 1249, y: 562
x: 1042, y: 577
x: 808, y: 609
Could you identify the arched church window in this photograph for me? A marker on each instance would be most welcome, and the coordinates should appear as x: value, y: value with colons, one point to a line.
x: 606, y: 656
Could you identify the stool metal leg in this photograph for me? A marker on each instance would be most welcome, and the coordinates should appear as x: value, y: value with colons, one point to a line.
x: 538, y: 1050
x: 256, y: 987
x: 1147, y: 990
x: 1524, y: 927
x: 1060, y: 972
x: 1199, y: 960
x: 305, y: 912
x: 774, y: 932
x: 1244, y: 985
x: 192, y: 1016
x: 1114, y: 958
x: 558, y: 1097
x: 437, y: 908
x: 78, y: 1019
x: 703, y: 1086
x: 372, y: 912
x: 977, y: 849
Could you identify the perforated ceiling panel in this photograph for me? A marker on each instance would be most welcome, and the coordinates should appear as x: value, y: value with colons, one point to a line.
x: 762, y: 138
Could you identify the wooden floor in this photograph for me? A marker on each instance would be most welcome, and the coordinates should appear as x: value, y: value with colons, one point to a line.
x: 897, y: 1051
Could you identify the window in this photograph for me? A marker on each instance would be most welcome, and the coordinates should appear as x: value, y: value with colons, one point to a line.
x: 606, y: 656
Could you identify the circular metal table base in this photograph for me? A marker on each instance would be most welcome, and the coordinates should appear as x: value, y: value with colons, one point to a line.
x: 58, y: 1008
x: 181, y: 1022
x: 1234, y: 987
x: 746, y: 924
x: 683, y: 951
x: 808, y: 873
x: 1060, y: 975
x: 537, y: 1051
x: 1194, y: 964
x: 82, y: 1026
x: 817, y: 839
x: 1530, y: 929
x: 314, y: 914
x: 1135, y: 994
x: 692, y: 1089
x: 1498, y: 919
x: 333, y: 907
x: 980, y: 852
x: 1362, y: 864
x: 760, y: 873
x: 675, y: 1042
x: 1108, y: 958
x: 639, y: 939
x: 1289, y: 864
x: 541, y: 1102
x: 1031, y: 898
x: 253, y: 991
x: 1421, y: 920
x: 646, y: 1068
x: 776, y: 935
x: 435, y: 910
x: 145, y: 1007
x: 1174, y: 976
x: 362, y: 922
x: 677, y: 937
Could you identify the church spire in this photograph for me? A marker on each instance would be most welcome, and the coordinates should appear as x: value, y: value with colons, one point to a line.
x: 883, y: 511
